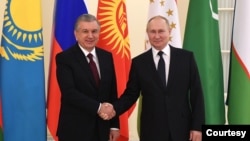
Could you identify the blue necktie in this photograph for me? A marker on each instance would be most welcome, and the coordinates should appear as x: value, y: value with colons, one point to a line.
x: 161, y: 68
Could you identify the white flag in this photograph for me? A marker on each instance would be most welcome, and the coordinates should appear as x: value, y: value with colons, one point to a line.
x: 168, y: 9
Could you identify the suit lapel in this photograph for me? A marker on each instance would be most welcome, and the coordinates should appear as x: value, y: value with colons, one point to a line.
x: 172, y: 68
x: 81, y: 59
x: 153, y: 70
x: 102, y: 65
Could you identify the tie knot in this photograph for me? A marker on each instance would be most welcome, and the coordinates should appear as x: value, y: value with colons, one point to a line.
x: 90, y: 56
x: 160, y: 53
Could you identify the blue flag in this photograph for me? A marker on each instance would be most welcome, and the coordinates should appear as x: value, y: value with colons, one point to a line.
x: 22, y: 84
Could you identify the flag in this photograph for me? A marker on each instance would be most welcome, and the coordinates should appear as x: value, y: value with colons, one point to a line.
x: 168, y: 9
x: 114, y: 38
x: 22, y: 84
x: 239, y: 76
x: 202, y: 37
x: 67, y: 11
x: 1, y: 118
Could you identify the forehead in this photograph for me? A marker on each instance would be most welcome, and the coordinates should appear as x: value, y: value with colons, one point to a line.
x: 87, y: 25
x: 157, y: 23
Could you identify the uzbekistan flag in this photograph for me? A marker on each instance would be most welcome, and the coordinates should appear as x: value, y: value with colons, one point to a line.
x: 22, y: 84
x: 67, y: 11
x: 239, y: 72
x: 114, y: 38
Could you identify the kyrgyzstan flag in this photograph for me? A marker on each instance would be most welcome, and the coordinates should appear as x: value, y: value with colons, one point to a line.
x: 114, y: 38
x: 67, y: 11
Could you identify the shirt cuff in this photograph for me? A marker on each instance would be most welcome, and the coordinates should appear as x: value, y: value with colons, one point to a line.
x: 99, y: 108
x: 114, y: 128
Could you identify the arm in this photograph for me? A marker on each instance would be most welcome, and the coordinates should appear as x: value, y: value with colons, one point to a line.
x: 130, y: 94
x: 196, y: 98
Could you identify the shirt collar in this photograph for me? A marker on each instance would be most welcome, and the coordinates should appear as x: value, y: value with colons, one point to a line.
x: 165, y: 50
x: 86, y: 52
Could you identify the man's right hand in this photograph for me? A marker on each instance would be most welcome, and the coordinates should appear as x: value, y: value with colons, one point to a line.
x: 106, y: 111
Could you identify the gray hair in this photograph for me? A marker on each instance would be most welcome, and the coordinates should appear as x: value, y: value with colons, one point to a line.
x: 86, y: 18
x: 157, y: 17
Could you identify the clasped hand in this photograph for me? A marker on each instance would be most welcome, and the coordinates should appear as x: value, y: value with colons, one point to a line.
x: 106, y: 111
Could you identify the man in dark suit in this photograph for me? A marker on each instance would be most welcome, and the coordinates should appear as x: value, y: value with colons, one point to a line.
x: 172, y: 102
x: 81, y: 94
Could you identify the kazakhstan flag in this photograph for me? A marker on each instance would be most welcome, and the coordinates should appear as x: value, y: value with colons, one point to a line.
x: 22, y: 85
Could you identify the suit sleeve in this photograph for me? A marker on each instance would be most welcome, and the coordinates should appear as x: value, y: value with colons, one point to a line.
x: 196, y: 97
x: 131, y: 93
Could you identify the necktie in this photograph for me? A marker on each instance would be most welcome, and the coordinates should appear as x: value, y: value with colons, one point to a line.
x: 93, y: 68
x: 161, y: 68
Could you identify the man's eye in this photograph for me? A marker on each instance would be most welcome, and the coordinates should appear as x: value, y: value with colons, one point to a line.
x: 161, y: 31
x: 152, y: 32
x: 95, y: 31
x: 84, y: 31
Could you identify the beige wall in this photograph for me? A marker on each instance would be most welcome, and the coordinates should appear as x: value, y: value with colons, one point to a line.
x: 137, y: 11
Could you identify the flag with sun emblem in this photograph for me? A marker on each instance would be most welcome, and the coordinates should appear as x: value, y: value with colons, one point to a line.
x: 168, y: 9
x: 22, y: 84
x: 114, y: 38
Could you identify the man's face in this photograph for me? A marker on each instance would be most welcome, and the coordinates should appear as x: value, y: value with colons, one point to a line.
x: 87, y: 34
x: 158, y: 33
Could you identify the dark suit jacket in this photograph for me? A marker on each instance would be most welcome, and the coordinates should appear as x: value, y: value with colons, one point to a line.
x: 175, y: 109
x: 80, y: 97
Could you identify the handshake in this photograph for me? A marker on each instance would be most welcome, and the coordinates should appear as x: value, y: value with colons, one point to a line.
x: 106, y: 111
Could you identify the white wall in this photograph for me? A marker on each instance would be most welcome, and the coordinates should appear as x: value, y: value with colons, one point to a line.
x: 137, y: 11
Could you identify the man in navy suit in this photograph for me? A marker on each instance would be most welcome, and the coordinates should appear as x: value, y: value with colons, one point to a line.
x: 172, y: 103
x: 81, y: 95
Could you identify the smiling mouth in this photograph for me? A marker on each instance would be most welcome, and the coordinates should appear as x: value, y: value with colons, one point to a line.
x: 92, y: 41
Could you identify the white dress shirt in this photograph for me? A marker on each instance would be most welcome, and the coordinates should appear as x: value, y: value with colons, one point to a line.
x: 166, y: 57
x: 94, y: 58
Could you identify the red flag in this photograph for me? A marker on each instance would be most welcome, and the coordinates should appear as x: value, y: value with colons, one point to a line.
x: 67, y: 11
x: 114, y: 38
